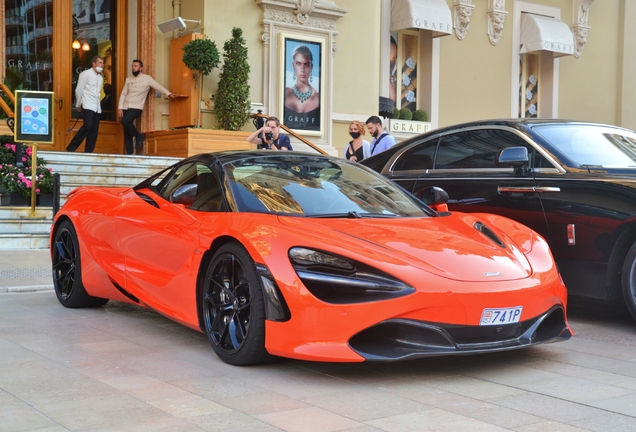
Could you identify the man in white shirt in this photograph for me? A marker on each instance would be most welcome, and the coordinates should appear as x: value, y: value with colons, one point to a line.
x: 88, y: 98
x: 381, y: 140
x: 131, y: 103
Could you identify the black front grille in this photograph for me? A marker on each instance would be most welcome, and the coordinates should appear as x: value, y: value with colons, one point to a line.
x: 401, y: 339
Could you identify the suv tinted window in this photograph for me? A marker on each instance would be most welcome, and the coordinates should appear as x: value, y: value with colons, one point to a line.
x: 419, y: 157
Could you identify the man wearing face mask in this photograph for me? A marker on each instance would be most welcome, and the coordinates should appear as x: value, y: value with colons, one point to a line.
x: 381, y: 140
x: 131, y: 103
x: 88, y: 98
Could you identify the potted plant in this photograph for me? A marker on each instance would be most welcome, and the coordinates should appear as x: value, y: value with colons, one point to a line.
x: 232, y: 105
x: 17, y: 180
x: 201, y: 55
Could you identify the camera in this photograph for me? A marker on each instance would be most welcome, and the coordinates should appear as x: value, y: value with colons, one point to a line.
x: 269, y: 135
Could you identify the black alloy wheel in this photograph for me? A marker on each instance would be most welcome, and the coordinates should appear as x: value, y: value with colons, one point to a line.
x: 67, y: 271
x: 629, y: 280
x: 233, y: 308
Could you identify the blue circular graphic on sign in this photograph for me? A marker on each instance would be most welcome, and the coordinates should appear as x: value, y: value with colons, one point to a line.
x: 34, y: 113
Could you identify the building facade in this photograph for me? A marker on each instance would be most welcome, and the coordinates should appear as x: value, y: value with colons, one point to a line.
x: 457, y: 60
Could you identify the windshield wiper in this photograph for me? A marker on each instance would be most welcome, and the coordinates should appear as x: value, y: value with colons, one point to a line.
x: 351, y: 215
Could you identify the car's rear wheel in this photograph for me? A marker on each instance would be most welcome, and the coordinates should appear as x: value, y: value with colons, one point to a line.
x: 629, y: 280
x: 67, y: 270
x: 233, y: 308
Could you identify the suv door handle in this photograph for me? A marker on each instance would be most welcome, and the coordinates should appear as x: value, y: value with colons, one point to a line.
x: 533, y: 189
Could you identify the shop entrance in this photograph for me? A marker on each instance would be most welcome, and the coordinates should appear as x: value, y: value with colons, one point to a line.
x: 48, y: 43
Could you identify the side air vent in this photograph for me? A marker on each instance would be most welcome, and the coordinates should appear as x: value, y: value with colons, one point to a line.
x: 482, y: 228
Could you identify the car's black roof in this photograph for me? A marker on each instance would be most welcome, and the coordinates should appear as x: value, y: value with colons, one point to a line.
x: 237, y: 155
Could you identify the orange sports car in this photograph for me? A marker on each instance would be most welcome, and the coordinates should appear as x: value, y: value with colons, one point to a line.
x: 308, y: 257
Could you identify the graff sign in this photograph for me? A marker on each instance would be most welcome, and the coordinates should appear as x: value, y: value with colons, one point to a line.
x: 408, y: 126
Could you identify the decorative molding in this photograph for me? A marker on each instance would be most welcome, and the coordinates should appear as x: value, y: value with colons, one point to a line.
x: 496, y: 17
x: 463, y: 11
x: 304, y: 9
x: 580, y: 29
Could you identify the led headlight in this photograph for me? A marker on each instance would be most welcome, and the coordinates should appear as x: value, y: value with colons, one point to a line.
x: 339, y: 280
x: 309, y: 257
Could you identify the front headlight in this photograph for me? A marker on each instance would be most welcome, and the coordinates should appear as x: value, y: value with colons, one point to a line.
x: 335, y: 279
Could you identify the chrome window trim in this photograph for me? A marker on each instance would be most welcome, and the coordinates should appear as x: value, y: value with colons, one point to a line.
x: 556, y: 167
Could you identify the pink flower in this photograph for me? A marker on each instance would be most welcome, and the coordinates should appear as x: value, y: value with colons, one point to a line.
x: 37, y: 191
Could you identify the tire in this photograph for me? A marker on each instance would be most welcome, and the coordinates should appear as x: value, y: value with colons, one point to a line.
x: 628, y: 280
x: 67, y: 270
x: 233, y: 308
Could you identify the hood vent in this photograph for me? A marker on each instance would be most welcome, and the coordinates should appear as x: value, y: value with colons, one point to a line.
x: 482, y: 228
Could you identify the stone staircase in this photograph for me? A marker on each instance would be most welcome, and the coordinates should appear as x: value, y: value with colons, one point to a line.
x: 18, y: 230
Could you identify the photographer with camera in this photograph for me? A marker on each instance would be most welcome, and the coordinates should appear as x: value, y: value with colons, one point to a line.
x: 269, y: 138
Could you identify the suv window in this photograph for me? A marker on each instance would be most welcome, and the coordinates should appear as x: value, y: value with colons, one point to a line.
x: 419, y: 157
x: 479, y: 148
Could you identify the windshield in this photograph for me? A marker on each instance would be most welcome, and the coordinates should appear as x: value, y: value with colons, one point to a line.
x: 315, y: 186
x: 591, y: 145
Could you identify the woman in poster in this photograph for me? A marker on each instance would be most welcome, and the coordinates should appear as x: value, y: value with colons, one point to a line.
x: 302, y: 100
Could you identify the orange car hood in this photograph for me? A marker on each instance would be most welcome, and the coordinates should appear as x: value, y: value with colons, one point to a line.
x: 446, y: 246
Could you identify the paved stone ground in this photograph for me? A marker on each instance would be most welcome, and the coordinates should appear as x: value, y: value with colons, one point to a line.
x: 122, y: 368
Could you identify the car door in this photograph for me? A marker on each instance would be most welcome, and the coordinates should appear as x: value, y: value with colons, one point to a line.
x: 464, y: 166
x: 161, y: 239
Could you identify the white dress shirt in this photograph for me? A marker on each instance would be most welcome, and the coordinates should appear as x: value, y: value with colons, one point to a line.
x: 88, y: 91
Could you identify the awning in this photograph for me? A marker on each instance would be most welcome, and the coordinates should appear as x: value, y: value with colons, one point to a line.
x: 540, y: 33
x: 433, y: 15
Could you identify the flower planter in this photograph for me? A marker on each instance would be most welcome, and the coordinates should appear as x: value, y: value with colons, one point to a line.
x: 17, y: 200
x: 14, y: 199
x: 44, y: 200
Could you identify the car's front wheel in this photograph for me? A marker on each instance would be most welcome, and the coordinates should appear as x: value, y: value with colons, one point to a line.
x: 233, y: 308
x: 629, y: 280
x: 67, y: 270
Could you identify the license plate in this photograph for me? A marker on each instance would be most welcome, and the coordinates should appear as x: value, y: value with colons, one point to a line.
x: 500, y: 316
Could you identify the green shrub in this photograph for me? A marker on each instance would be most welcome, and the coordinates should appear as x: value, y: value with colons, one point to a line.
x: 420, y: 115
x: 232, y: 105
x: 406, y: 114
x: 201, y: 55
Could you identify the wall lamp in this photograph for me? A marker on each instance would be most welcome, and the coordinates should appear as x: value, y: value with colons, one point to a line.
x: 84, y: 46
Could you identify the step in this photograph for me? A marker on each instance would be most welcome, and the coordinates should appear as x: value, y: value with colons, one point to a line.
x: 24, y: 241
x: 25, y: 226
x: 12, y: 212
x: 61, y: 158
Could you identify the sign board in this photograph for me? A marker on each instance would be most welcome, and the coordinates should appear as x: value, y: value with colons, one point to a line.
x: 33, y: 116
x: 408, y: 126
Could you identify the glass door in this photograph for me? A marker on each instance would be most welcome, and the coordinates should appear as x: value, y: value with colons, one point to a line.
x: 49, y: 43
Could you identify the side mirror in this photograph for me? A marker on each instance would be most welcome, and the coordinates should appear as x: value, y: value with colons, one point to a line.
x: 435, y: 197
x: 184, y: 194
x: 516, y: 157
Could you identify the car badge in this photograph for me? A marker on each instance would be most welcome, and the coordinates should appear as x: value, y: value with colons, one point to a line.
x: 493, y: 274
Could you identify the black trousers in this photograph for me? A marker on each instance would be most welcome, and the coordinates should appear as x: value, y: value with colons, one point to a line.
x: 89, y: 130
x: 130, y: 131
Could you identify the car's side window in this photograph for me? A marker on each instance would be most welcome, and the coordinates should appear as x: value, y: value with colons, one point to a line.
x: 184, y: 174
x: 209, y: 193
x: 419, y: 157
x: 479, y: 148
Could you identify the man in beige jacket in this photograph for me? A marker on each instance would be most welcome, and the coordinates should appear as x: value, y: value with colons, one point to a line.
x: 131, y: 103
